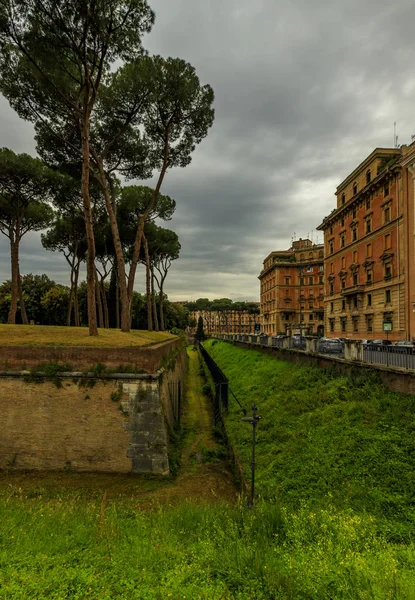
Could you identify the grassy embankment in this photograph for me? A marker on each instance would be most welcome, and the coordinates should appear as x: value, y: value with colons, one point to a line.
x: 42, y: 335
x: 334, y: 471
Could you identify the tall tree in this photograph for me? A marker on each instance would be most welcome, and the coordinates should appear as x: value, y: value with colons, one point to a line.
x: 56, y: 54
x: 67, y: 235
x: 25, y: 184
x: 177, y: 117
x: 164, y: 248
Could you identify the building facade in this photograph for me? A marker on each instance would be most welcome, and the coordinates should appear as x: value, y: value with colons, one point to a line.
x: 292, y: 290
x: 369, y: 250
x: 228, y: 321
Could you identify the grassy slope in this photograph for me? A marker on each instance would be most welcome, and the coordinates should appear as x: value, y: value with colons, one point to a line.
x: 64, y: 543
x: 42, y: 335
x: 325, y: 439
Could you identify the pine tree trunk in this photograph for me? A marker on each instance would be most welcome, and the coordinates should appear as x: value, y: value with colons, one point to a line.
x: 14, y: 254
x: 23, y: 312
x: 99, y: 302
x: 140, y: 229
x: 125, y: 305
x: 71, y: 293
x: 148, y: 286
x: 153, y: 302
x: 89, y: 228
x: 105, y: 305
x: 161, y: 308
x: 75, y: 297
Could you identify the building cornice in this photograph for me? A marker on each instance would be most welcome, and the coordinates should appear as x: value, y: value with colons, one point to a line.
x: 359, y: 197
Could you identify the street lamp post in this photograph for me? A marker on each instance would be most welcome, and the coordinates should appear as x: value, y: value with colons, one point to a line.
x: 253, y: 421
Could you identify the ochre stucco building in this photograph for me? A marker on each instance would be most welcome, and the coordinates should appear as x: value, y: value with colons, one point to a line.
x: 292, y: 290
x: 227, y: 321
x: 369, y: 250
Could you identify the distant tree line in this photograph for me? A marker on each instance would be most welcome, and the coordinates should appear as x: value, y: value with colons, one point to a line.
x: 45, y: 302
x: 104, y: 112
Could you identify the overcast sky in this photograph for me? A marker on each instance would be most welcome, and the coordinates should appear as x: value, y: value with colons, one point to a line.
x: 304, y: 91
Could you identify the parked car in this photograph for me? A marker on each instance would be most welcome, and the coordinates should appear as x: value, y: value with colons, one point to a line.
x: 377, y: 344
x: 404, y: 346
x: 330, y: 345
x: 298, y: 341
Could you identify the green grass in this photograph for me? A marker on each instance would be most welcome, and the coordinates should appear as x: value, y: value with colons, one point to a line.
x: 45, y: 335
x: 334, y: 518
x: 63, y: 548
x: 325, y: 439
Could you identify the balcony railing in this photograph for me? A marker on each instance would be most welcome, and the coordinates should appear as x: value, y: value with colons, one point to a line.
x: 352, y: 289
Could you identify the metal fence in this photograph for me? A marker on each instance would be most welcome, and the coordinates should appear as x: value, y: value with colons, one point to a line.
x: 221, y: 397
x: 390, y: 356
x: 175, y: 397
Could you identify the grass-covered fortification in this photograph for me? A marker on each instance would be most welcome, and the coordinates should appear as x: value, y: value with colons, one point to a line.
x: 324, y: 439
x: 45, y: 335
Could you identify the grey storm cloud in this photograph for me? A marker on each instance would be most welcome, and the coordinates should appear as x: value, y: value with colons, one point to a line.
x: 304, y: 90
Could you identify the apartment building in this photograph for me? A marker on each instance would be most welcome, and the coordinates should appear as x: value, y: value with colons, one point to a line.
x: 228, y: 320
x: 292, y: 290
x: 369, y: 250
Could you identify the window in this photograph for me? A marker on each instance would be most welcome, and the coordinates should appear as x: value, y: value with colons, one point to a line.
x: 368, y: 204
x: 331, y: 324
x: 310, y: 281
x: 342, y: 240
x: 388, y: 241
x: 354, y: 189
x: 355, y: 256
x: 310, y: 317
x: 343, y: 262
x: 343, y: 324
x: 368, y: 176
x: 321, y: 254
x: 310, y: 304
x: 388, y: 270
x: 320, y: 279
x: 331, y: 288
x: 287, y: 281
x: 386, y: 190
x: 354, y: 234
x: 369, y: 299
x: 387, y: 296
x: 369, y: 323
x: 355, y: 279
x: 343, y: 198
x: 355, y: 324
x: 301, y: 256
x: 321, y: 268
x: 354, y: 212
x: 387, y: 214
x: 287, y: 293
x: 310, y: 255
x: 342, y: 221
x: 331, y: 267
x: 343, y: 283
x: 368, y: 225
x: 331, y: 306
x: 369, y: 277
x: 331, y: 246
x: 343, y: 305
x: 355, y: 303
x: 369, y: 250
x: 301, y: 280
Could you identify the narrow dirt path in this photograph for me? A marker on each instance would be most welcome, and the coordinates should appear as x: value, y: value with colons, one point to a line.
x: 203, y: 475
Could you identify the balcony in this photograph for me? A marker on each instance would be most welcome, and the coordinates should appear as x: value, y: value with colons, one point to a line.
x: 352, y: 289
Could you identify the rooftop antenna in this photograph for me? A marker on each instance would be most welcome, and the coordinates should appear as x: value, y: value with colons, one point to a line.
x: 395, y: 136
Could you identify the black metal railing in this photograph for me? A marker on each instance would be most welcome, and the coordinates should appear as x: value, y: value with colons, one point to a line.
x: 222, y: 388
x: 175, y: 397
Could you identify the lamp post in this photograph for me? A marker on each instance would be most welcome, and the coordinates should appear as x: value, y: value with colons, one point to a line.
x: 253, y: 421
